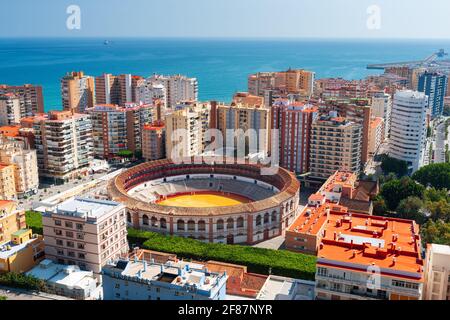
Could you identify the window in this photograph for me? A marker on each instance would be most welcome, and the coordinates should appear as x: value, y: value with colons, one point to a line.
x: 145, y: 220
x: 79, y: 226
x: 59, y: 242
x: 180, y: 225
x: 191, y: 225
x: 230, y: 223
x: 258, y: 220
x: 240, y: 222
x: 274, y: 216
x: 154, y: 221
x: 60, y: 252
x: 68, y: 224
x: 71, y: 254
x: 163, y: 223
x: 219, y: 225
x: 70, y: 244
x: 57, y: 222
x: 58, y: 232
x: 201, y: 225
x: 322, y: 271
x: 80, y: 245
x: 69, y: 234
x: 81, y: 256
x: 266, y: 218
x: 128, y: 217
x: 80, y: 236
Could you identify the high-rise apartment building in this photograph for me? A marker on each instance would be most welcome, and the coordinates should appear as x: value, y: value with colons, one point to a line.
x: 64, y: 144
x: 185, y: 130
x: 7, y: 182
x: 409, y: 127
x: 9, y: 109
x: 169, y: 89
x: 292, y: 81
x: 437, y: 272
x: 30, y: 96
x: 117, y: 128
x: 253, y: 120
x: 85, y: 232
x: 382, y: 108
x: 434, y: 85
x: 77, y: 91
x: 357, y: 110
x: 25, y: 166
x: 153, y: 141
x: 294, y: 121
x: 376, y: 136
x: 335, y: 145
x: 11, y: 219
x: 118, y: 90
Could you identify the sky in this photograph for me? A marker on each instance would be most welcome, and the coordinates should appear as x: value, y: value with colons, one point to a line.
x: 425, y: 19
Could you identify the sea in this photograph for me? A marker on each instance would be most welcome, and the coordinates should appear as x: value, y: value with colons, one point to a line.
x: 220, y: 65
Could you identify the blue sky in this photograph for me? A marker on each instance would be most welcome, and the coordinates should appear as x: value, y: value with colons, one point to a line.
x: 227, y: 18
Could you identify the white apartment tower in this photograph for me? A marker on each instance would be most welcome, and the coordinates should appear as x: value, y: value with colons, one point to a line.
x: 409, y: 127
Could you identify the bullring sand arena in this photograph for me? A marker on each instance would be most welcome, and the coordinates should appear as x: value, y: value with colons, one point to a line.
x: 225, y: 202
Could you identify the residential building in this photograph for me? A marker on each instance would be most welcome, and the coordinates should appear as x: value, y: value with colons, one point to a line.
x: 437, y: 272
x: 252, y: 120
x: 434, y: 85
x: 17, y: 134
x: 64, y: 144
x: 382, y: 108
x: 85, y: 232
x: 153, y: 141
x: 186, y: 128
x: 22, y: 252
x: 285, y: 82
x: 294, y: 121
x: 68, y: 281
x: 117, y: 90
x: 359, y: 256
x: 117, y: 128
x: 170, y: 89
x: 174, y: 280
x: 26, y: 175
x: 409, y: 128
x: 246, y: 98
x: 376, y: 136
x: 77, y: 91
x: 11, y: 219
x: 9, y: 109
x: 7, y: 182
x: 30, y: 96
x: 357, y: 110
x: 335, y: 145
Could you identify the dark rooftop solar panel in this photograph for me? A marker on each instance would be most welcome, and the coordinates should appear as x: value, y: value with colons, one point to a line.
x: 121, y: 264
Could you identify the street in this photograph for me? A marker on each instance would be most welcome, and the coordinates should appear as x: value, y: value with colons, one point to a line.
x: 439, y: 154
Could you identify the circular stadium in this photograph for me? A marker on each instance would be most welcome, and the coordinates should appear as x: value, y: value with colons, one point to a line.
x: 223, y: 202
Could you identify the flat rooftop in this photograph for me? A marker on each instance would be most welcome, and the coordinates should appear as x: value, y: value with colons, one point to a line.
x: 85, y: 207
x: 9, y: 249
x: 178, y: 273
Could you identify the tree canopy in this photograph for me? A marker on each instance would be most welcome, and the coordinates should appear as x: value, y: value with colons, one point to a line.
x: 436, y: 175
x: 396, y: 190
x: 391, y: 165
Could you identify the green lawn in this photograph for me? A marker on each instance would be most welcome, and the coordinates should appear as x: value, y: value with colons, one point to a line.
x: 34, y: 221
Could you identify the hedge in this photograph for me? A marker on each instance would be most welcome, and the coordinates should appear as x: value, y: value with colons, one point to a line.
x: 21, y: 281
x: 34, y: 221
x: 257, y: 260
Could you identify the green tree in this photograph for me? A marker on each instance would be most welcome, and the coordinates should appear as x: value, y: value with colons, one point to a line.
x: 391, y: 165
x: 411, y: 208
x: 439, y: 210
x: 379, y: 206
x: 396, y: 190
x: 125, y: 154
x: 433, y: 194
x: 436, y: 175
x: 436, y: 232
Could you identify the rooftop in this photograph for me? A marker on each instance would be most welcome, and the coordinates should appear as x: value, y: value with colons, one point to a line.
x: 9, y: 249
x: 440, y: 249
x: 85, y: 207
x: 176, y: 273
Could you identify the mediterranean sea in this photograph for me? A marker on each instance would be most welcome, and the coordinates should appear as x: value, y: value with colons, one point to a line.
x: 220, y: 65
